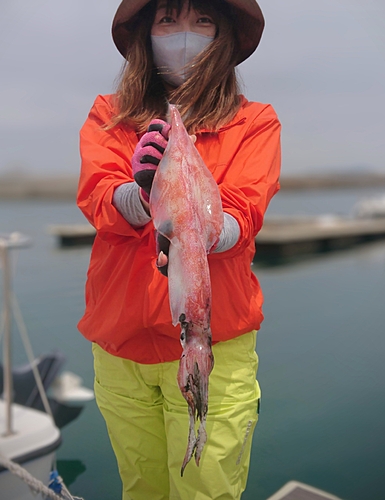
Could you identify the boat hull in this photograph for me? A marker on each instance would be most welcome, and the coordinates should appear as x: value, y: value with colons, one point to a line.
x: 31, y: 444
x: 14, y: 488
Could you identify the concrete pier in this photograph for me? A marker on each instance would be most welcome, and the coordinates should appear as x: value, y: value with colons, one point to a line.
x: 287, y: 237
x: 70, y: 235
x: 280, y: 237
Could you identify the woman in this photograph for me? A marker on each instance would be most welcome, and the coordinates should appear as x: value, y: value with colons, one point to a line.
x: 185, y: 53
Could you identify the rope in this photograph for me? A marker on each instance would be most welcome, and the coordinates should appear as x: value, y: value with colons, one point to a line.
x: 34, y: 484
x: 28, y: 349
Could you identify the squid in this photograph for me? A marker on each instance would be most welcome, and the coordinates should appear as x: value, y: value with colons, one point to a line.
x: 186, y: 208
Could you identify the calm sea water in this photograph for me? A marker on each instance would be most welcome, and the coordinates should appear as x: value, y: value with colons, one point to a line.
x: 321, y: 350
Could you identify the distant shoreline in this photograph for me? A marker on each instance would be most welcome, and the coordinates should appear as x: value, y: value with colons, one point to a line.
x: 64, y: 188
x: 340, y: 181
x: 57, y: 188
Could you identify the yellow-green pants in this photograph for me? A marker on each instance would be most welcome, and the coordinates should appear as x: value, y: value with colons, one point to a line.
x: 147, y: 421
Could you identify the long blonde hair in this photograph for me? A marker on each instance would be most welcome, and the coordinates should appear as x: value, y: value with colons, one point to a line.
x: 209, y: 96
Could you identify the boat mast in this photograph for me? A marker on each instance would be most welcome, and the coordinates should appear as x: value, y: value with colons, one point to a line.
x: 7, y: 347
x: 13, y: 240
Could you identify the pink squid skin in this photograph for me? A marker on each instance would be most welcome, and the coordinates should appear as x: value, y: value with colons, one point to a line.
x: 195, y: 366
x: 186, y: 208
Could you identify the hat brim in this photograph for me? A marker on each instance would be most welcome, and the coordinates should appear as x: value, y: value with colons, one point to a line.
x: 247, y: 15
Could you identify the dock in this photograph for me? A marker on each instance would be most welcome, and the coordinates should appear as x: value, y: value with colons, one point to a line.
x: 281, y: 238
x: 73, y: 235
x: 289, y: 237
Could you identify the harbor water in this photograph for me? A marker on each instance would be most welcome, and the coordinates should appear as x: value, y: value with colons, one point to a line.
x: 321, y: 350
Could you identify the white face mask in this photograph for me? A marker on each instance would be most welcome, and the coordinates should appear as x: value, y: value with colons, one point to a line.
x: 173, y: 52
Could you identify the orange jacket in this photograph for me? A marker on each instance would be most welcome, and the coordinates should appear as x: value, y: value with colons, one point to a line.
x: 127, y: 309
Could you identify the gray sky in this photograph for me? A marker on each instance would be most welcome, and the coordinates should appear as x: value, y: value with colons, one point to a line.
x: 320, y: 63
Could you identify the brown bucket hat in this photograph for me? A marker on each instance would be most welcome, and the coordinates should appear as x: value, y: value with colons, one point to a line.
x: 248, y: 19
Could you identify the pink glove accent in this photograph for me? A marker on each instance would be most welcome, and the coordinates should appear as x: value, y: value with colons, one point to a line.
x: 148, y: 153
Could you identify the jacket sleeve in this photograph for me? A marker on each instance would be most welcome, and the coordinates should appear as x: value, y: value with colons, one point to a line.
x: 252, y: 176
x: 105, y: 165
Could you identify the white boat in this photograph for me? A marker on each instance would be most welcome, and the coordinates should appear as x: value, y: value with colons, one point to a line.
x: 29, y: 435
x: 30, y: 441
x: 370, y: 208
x: 295, y: 490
